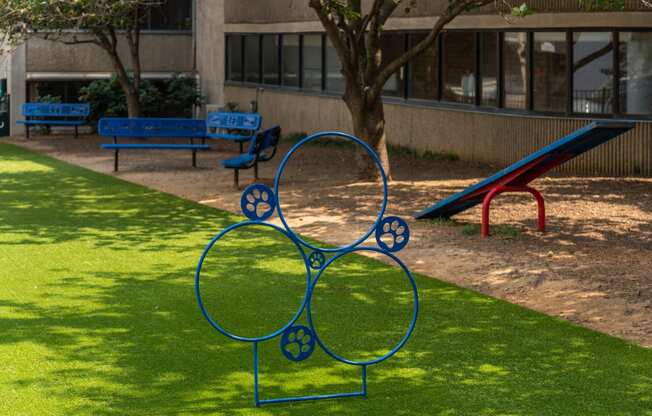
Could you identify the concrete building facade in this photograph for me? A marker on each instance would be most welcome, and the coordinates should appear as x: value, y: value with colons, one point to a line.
x: 491, y: 90
x: 41, y: 67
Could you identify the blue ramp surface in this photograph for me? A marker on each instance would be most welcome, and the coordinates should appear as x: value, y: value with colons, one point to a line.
x: 530, y: 168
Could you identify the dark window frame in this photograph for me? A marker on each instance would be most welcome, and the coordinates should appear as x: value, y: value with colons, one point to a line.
x: 405, y: 98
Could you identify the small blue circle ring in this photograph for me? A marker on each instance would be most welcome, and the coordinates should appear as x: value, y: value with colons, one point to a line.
x: 413, y: 322
x: 200, y: 301
x: 371, y: 153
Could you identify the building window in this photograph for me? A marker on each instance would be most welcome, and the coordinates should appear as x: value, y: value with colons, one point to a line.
x: 489, y: 69
x: 424, y: 71
x: 515, y: 70
x: 291, y: 60
x: 550, y: 86
x: 270, y: 60
x: 312, y: 65
x: 545, y: 71
x: 234, y: 58
x: 252, y: 58
x: 170, y: 15
x: 392, y: 47
x: 459, y: 62
x: 592, y: 72
x: 335, y: 81
x: 64, y: 91
x: 636, y: 72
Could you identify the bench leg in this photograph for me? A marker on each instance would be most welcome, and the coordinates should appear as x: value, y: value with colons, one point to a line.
x: 502, y: 189
x: 27, y: 131
x: 236, y: 178
x: 256, y: 171
x: 115, y: 155
x: 76, y: 132
x: 194, y: 154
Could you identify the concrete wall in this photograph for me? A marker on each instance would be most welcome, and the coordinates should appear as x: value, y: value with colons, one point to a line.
x: 497, y: 139
x: 160, y: 52
x: 17, y: 87
x: 210, y: 47
x: 270, y: 11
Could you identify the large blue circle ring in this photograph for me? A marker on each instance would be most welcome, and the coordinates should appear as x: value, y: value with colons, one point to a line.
x: 371, y: 153
x: 413, y: 322
x: 200, y: 301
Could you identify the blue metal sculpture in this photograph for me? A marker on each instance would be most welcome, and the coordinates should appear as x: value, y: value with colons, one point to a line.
x: 298, y: 342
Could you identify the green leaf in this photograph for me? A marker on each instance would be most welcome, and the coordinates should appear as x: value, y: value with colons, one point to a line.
x: 522, y: 10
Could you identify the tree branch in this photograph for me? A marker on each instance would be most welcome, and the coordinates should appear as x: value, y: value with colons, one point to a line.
x: 455, y: 9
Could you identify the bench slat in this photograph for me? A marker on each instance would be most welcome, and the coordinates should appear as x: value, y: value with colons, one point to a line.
x: 52, y: 122
x: 234, y: 121
x: 157, y: 146
x: 152, y: 127
x: 56, y: 109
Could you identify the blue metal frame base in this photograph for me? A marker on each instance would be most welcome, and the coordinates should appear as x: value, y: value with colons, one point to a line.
x: 260, y: 402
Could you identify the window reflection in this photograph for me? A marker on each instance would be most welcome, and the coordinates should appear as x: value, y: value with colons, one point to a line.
x: 592, y: 72
x: 515, y: 70
x: 636, y: 72
x: 291, y: 60
x: 234, y: 58
x: 550, y: 71
x: 459, y: 76
x: 424, y: 76
x: 270, y: 60
x: 312, y: 62
x: 393, y: 46
x: 489, y: 68
x: 335, y: 81
x: 252, y: 59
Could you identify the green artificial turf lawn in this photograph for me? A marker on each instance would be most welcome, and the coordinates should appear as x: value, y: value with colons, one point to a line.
x: 98, y: 317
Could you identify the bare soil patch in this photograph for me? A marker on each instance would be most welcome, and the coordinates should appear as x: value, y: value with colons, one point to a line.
x: 593, y: 266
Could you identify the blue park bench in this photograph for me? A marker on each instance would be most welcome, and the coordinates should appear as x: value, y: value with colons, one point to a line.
x: 262, y: 149
x: 54, y: 114
x: 236, y: 127
x: 145, y: 128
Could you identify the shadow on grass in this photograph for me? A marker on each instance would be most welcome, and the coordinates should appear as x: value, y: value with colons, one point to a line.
x: 98, y: 316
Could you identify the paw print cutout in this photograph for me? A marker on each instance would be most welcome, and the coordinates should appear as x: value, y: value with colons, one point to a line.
x: 392, y: 234
x: 316, y: 260
x: 297, y: 343
x: 258, y: 202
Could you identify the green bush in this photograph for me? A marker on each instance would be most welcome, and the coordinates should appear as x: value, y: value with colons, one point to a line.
x: 49, y: 99
x: 174, y: 97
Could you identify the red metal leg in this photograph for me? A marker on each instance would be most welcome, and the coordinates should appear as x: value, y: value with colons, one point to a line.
x: 502, y: 189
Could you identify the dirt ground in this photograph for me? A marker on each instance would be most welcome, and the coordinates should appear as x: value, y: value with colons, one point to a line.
x: 592, y: 267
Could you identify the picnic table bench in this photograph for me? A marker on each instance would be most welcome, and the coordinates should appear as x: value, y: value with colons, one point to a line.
x: 145, y: 128
x: 262, y: 149
x: 237, y: 127
x: 54, y: 114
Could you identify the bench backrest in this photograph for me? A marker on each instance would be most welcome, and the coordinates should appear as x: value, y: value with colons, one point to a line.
x: 152, y: 127
x: 233, y: 121
x: 265, y: 144
x: 56, y: 110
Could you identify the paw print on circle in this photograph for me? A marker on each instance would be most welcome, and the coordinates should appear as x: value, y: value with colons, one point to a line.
x: 258, y: 202
x: 392, y: 234
x: 316, y: 260
x: 297, y: 343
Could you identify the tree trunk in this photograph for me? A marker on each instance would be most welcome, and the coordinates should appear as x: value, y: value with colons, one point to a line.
x: 133, y: 103
x: 369, y: 125
x: 130, y: 88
